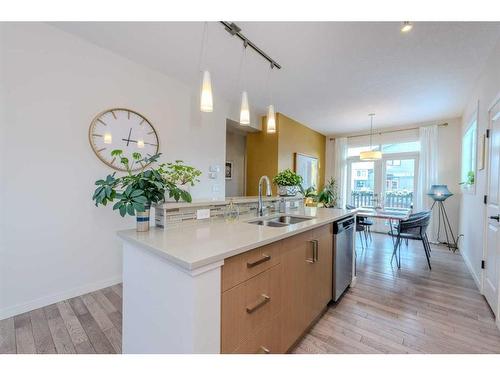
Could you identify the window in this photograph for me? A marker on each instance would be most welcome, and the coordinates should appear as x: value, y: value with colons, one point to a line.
x: 401, y: 147
x: 355, y: 151
x: 469, y: 142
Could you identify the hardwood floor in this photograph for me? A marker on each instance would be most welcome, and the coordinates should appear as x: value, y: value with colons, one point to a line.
x: 412, y: 310
x: 87, y: 324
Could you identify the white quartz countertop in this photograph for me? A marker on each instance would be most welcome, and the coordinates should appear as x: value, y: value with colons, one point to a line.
x: 203, y: 242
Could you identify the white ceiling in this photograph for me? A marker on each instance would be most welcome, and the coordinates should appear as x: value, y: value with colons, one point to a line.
x: 334, y: 73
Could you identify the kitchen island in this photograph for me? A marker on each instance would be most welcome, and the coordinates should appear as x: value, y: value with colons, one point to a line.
x: 183, y: 287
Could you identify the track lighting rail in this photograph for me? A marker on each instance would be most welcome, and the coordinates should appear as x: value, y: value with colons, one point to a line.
x: 234, y: 29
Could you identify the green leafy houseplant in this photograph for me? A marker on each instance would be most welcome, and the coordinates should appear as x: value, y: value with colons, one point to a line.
x: 329, y: 195
x: 180, y: 174
x: 136, y: 192
x: 310, y: 192
x: 470, y: 179
x: 287, y: 178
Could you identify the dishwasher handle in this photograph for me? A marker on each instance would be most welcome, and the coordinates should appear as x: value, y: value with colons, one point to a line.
x: 343, y: 225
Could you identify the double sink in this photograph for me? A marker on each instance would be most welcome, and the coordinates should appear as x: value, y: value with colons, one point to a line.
x: 280, y: 221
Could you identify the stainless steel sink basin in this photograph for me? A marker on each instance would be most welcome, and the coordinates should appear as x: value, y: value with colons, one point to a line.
x: 280, y: 221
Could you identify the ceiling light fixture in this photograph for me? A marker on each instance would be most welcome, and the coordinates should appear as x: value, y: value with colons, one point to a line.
x: 271, y: 114
x: 235, y: 30
x: 245, y: 108
x: 406, y: 26
x: 370, y: 155
x: 206, y: 98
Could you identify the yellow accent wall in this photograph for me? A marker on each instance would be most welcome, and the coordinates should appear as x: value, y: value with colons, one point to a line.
x: 262, y: 158
x: 267, y: 154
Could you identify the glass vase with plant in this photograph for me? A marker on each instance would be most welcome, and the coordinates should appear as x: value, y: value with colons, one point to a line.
x: 135, y: 192
x: 288, y: 182
x: 329, y: 196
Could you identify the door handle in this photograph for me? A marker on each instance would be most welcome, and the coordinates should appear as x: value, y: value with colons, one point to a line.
x: 497, y: 218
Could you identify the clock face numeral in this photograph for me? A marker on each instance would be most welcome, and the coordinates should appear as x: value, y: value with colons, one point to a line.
x: 122, y: 129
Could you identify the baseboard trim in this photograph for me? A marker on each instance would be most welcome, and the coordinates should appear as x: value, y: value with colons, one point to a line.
x: 10, y: 311
x: 471, y: 271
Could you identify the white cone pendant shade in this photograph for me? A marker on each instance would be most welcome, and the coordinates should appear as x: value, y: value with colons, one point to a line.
x: 245, y: 110
x: 271, y: 119
x: 206, y: 102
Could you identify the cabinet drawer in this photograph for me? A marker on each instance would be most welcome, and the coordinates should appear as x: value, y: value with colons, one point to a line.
x: 266, y: 341
x: 249, y: 307
x: 325, y: 230
x: 244, y: 266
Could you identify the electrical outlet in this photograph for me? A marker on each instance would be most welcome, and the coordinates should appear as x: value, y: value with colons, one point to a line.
x: 203, y: 214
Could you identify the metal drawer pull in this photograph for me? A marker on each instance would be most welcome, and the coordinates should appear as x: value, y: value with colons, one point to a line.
x: 314, y: 258
x: 264, y: 258
x: 263, y: 350
x: 265, y: 299
x: 315, y: 250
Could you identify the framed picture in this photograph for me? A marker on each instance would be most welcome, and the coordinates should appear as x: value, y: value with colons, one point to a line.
x: 229, y: 170
x: 307, y: 167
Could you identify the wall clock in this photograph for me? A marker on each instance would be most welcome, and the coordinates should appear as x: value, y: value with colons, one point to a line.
x: 124, y: 129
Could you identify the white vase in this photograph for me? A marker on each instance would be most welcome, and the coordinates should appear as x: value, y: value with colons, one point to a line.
x: 142, y: 220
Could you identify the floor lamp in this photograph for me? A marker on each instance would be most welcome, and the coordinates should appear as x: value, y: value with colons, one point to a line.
x: 439, y: 193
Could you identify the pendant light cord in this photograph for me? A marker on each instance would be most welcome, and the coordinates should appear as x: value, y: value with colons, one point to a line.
x: 371, y: 130
x: 204, y: 42
x: 241, y: 81
x: 269, y: 85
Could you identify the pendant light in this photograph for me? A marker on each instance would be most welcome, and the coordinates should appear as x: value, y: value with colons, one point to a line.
x: 206, y: 98
x: 245, y: 108
x: 370, y: 155
x: 271, y: 114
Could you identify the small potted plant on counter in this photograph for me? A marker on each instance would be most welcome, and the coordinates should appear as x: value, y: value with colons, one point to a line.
x: 288, y: 183
x: 310, y: 195
x: 134, y: 193
x: 329, y: 196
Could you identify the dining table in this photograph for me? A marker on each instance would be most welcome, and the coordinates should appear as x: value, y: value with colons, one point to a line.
x: 393, y: 215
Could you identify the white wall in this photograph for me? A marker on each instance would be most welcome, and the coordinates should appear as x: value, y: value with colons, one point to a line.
x: 54, y: 243
x: 472, y: 218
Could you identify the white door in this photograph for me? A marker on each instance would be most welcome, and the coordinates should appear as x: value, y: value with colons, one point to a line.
x: 492, y: 248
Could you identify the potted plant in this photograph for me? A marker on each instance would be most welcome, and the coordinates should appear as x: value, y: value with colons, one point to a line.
x: 309, y: 195
x: 180, y: 174
x: 288, y: 183
x: 134, y: 193
x: 329, y: 195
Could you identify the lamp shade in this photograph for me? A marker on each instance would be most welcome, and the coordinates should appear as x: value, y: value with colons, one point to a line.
x: 439, y: 192
x: 370, y: 155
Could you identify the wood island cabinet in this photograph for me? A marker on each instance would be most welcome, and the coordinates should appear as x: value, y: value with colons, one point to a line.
x: 271, y: 295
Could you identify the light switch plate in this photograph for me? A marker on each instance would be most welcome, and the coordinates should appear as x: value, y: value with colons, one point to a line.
x: 203, y: 213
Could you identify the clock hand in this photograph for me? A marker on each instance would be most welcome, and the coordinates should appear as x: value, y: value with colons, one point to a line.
x: 129, y: 134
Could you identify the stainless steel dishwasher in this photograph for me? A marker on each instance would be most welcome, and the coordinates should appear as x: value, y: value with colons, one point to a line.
x: 343, y: 252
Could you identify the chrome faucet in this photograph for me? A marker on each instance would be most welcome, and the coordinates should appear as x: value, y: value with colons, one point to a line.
x: 260, y: 207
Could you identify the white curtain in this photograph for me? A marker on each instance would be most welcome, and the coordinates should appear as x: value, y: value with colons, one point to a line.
x: 427, y: 172
x: 340, y: 168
